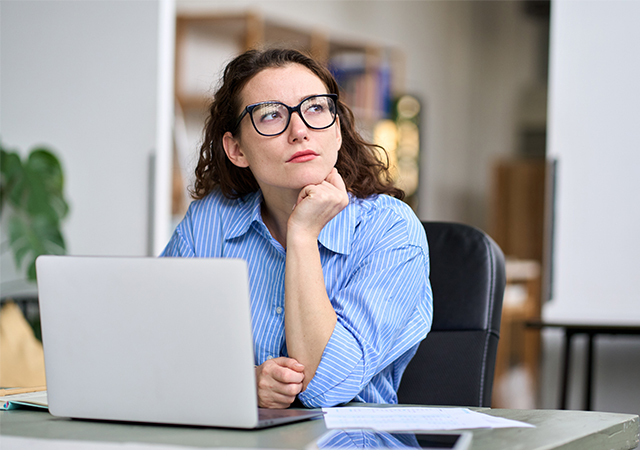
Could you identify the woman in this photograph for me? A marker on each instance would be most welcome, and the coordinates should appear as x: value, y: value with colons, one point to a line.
x: 338, y: 265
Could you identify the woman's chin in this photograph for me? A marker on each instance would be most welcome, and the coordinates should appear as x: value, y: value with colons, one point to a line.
x: 298, y: 181
x: 315, y: 177
x: 309, y: 182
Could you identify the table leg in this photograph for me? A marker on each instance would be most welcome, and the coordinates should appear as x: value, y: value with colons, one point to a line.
x: 589, y: 378
x: 564, y: 393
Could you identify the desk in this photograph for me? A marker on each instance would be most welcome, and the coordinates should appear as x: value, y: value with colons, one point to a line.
x: 591, y: 330
x: 566, y: 430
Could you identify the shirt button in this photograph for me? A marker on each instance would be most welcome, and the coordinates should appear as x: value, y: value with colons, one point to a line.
x: 269, y: 357
x: 279, y: 310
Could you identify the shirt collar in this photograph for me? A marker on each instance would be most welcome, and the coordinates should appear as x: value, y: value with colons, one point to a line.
x: 336, y: 235
x: 247, y: 211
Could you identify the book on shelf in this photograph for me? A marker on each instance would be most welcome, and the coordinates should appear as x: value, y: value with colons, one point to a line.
x: 365, y: 87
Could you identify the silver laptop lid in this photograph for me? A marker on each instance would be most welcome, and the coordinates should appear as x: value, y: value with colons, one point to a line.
x: 164, y: 340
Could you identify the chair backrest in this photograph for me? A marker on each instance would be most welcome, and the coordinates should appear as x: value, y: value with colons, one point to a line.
x: 454, y: 365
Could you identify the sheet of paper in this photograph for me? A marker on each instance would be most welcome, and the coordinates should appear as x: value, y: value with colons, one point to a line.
x: 414, y: 419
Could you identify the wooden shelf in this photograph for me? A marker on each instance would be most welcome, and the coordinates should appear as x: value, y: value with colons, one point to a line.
x: 205, y: 42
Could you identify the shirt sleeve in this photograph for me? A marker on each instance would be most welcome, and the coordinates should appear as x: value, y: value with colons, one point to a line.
x: 179, y: 245
x: 383, y: 312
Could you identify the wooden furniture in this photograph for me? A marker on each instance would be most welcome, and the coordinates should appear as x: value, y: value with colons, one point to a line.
x: 519, y: 347
x: 518, y: 207
x: 517, y: 224
x: 566, y: 430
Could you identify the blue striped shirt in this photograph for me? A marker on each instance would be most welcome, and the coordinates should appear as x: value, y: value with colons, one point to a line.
x: 375, y: 262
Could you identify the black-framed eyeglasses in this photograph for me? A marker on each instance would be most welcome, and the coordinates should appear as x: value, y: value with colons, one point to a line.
x: 272, y: 118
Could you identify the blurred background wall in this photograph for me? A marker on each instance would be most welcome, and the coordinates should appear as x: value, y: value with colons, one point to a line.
x: 87, y: 80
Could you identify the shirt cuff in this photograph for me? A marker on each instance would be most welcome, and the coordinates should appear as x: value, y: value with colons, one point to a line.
x: 339, y: 376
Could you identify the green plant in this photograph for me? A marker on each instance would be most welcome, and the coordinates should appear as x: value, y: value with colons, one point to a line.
x: 31, y: 194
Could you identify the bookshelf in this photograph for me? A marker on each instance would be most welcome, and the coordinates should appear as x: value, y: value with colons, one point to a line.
x: 368, y: 74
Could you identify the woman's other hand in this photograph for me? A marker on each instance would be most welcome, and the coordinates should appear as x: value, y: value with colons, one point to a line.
x: 279, y: 380
x: 317, y: 204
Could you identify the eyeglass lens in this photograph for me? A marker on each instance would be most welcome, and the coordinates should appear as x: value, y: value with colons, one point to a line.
x: 272, y: 118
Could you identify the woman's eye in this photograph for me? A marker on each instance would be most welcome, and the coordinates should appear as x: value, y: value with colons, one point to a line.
x: 269, y: 113
x: 269, y: 116
x: 315, y: 108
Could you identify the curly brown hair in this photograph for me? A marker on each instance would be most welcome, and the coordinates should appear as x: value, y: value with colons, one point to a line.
x: 364, y: 167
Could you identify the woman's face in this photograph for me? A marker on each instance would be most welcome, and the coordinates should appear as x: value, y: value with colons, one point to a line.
x: 296, y: 158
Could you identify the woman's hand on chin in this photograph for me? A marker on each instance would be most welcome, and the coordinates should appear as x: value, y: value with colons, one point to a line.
x: 317, y: 204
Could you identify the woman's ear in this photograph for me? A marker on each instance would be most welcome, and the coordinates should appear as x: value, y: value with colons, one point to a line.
x: 233, y: 150
x: 338, y: 132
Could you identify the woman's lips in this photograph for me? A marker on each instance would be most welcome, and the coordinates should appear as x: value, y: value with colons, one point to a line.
x: 302, y: 156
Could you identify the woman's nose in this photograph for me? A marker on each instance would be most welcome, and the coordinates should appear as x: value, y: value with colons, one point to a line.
x: 297, y: 128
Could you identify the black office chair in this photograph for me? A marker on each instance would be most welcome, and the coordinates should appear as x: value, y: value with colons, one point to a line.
x: 454, y: 365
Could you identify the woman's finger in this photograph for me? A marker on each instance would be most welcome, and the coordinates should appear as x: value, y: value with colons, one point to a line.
x: 335, y: 179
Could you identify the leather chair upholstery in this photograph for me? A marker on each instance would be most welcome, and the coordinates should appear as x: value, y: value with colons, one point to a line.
x: 455, y: 363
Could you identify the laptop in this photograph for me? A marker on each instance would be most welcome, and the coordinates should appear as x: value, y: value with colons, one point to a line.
x: 160, y: 340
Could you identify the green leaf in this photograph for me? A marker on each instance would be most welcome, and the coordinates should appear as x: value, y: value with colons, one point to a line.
x: 60, y: 206
x: 30, y: 239
x: 44, y: 162
x: 11, y: 165
x: 12, y: 176
x: 46, y: 181
x: 38, y: 198
x: 48, y: 235
x: 19, y: 238
x: 31, y: 271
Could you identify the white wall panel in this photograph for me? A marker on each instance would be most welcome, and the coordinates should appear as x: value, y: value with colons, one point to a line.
x: 82, y: 78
